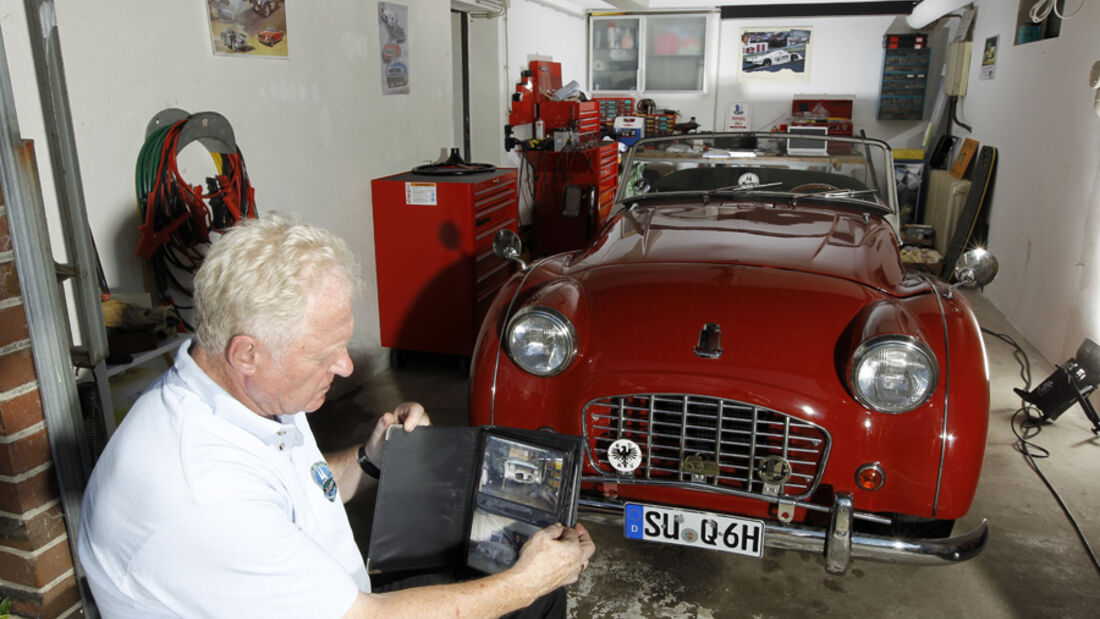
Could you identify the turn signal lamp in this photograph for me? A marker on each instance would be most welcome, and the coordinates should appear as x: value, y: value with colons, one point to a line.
x: 870, y: 476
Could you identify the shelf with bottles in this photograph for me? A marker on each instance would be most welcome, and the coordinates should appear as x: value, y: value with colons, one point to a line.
x: 615, y: 34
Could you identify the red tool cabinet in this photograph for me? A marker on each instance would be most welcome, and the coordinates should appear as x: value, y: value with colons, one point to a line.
x: 433, y: 244
x: 594, y: 169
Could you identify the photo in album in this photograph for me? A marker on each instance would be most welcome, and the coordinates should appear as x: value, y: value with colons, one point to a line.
x: 518, y: 492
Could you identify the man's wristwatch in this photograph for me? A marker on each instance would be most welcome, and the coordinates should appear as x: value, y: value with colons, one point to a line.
x: 365, y: 464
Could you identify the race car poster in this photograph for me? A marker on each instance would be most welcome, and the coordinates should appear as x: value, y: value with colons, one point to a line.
x: 248, y: 28
x: 393, y: 21
x: 775, y: 55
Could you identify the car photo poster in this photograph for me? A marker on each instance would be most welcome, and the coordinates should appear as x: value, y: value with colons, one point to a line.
x: 775, y: 55
x: 248, y: 28
x: 989, y: 59
x: 393, y: 22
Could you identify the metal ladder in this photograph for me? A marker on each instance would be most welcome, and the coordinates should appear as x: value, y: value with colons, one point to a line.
x: 55, y: 356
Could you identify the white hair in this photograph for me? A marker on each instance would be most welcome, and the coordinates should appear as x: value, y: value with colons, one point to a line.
x: 255, y: 280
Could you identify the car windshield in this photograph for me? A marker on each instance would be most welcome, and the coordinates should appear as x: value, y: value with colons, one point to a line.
x: 855, y: 172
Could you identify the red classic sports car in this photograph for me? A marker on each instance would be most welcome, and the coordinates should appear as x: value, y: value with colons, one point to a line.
x: 270, y: 37
x: 747, y: 358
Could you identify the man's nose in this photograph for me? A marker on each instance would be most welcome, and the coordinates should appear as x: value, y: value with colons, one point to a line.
x: 343, y: 364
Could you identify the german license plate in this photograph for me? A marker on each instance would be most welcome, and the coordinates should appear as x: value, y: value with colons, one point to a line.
x: 741, y: 536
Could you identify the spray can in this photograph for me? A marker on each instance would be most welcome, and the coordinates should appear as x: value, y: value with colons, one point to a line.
x: 540, y: 129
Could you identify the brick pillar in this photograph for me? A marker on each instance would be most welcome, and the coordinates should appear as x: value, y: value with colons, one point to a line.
x: 36, y: 565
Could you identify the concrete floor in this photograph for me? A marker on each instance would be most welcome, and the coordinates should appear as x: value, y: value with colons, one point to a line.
x: 1033, y: 565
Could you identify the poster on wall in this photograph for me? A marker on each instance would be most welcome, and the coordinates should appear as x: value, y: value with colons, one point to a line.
x: 775, y: 55
x: 989, y: 59
x: 737, y: 116
x: 393, y: 21
x: 248, y: 28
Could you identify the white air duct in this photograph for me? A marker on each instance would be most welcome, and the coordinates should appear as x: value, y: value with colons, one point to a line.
x: 929, y: 11
x: 487, y: 6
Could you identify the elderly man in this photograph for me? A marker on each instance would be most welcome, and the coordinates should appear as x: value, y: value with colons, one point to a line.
x: 212, y: 499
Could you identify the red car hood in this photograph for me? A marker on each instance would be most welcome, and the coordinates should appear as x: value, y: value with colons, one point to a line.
x: 815, y: 240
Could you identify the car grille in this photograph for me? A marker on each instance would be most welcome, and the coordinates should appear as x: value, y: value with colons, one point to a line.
x: 671, y: 427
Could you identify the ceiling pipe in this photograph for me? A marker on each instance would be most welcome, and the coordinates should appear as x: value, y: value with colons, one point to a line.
x: 929, y: 11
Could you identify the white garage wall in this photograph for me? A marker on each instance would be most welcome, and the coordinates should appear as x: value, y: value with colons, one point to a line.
x: 845, y: 61
x: 500, y: 50
x: 314, y: 128
x: 537, y: 30
x: 1045, y: 216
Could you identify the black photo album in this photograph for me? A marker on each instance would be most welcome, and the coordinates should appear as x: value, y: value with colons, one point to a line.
x: 458, y: 496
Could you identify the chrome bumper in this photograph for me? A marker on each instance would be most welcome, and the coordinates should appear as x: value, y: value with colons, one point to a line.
x: 839, y: 544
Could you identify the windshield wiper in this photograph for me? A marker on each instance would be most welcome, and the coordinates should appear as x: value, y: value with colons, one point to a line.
x: 842, y: 194
x: 679, y: 193
x: 746, y: 187
x: 838, y: 193
x: 835, y: 193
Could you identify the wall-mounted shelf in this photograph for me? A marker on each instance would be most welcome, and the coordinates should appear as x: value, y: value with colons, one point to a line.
x: 169, y: 345
x: 1028, y: 31
x: 103, y: 372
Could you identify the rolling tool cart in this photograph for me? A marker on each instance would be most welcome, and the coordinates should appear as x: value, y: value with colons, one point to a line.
x: 433, y: 238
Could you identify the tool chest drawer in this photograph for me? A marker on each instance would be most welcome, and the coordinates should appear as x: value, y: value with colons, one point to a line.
x: 489, y: 220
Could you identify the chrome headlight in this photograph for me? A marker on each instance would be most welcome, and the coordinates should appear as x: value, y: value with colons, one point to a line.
x: 541, y: 340
x: 893, y: 373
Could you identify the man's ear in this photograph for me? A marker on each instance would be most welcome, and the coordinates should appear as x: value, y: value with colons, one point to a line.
x: 243, y: 354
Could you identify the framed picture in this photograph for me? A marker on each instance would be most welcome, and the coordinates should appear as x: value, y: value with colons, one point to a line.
x: 256, y: 28
x: 775, y: 54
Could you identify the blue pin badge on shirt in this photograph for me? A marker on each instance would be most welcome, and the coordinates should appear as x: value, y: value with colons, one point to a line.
x: 322, y: 476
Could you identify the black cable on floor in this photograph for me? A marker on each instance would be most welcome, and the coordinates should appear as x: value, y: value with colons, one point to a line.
x: 1029, y: 420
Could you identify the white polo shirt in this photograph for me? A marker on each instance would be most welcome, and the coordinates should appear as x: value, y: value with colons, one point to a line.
x: 199, y: 507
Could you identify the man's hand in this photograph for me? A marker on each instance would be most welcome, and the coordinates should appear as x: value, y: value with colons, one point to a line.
x: 555, y: 557
x: 552, y: 558
x: 408, y: 414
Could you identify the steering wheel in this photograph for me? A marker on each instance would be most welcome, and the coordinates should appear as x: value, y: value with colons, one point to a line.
x: 453, y: 169
x: 814, y: 188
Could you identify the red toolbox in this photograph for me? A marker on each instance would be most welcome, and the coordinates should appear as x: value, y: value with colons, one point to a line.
x: 584, y: 117
x: 433, y: 245
x: 594, y: 172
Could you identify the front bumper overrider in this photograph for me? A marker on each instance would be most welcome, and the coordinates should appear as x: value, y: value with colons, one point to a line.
x: 839, y: 543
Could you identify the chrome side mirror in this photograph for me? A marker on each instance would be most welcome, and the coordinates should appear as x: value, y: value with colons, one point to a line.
x: 507, y: 246
x: 975, y: 269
